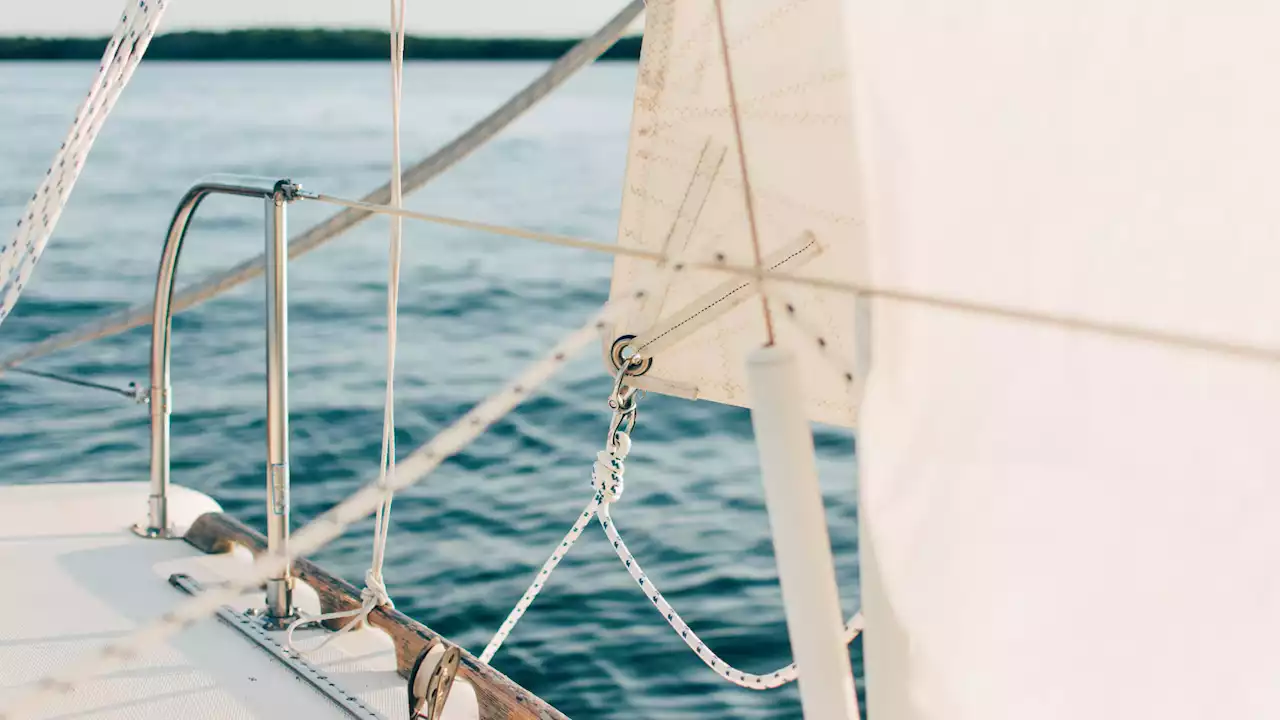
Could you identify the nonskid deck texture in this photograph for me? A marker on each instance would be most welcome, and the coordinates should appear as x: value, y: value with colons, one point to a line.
x: 76, y: 577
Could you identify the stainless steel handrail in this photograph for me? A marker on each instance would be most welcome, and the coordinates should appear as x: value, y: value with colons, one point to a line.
x: 277, y: 195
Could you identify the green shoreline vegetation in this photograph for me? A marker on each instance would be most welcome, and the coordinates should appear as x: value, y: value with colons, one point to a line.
x: 305, y: 45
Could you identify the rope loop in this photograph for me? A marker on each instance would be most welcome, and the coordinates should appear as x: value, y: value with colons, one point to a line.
x: 607, y: 481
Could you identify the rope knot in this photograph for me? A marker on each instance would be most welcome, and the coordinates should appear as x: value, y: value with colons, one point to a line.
x: 373, y: 595
x: 375, y: 591
x: 606, y: 476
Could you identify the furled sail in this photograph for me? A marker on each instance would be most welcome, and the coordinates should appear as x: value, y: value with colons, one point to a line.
x: 1070, y: 509
x: 684, y: 196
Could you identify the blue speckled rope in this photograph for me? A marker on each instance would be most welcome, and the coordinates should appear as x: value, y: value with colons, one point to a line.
x: 767, y: 681
x: 527, y: 599
x: 608, y: 482
x: 606, y: 461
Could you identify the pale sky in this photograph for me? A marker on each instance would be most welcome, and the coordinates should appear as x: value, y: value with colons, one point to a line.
x: 424, y: 17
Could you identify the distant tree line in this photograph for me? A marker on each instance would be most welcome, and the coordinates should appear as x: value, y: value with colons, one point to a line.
x: 273, y: 44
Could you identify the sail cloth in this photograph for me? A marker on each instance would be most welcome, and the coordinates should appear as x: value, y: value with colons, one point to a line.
x: 18, y: 258
x: 1057, y: 524
x: 684, y: 196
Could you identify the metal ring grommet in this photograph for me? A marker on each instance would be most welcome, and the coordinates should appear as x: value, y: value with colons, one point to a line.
x: 619, y: 360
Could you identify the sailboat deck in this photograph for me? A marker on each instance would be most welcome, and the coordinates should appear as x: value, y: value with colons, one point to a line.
x: 77, y: 577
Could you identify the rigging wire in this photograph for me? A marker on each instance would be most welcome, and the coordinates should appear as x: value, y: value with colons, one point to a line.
x: 505, y: 230
x: 133, y: 392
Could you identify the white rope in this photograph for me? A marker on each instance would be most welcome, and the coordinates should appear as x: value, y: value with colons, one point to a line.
x: 606, y: 478
x: 767, y: 681
x: 607, y: 481
x: 124, y: 52
x: 382, y: 522
x: 532, y: 593
x: 375, y: 593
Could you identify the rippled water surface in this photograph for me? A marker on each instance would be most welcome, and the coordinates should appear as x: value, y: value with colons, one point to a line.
x: 474, y: 310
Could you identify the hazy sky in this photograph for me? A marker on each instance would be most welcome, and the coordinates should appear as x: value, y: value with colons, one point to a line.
x: 425, y: 17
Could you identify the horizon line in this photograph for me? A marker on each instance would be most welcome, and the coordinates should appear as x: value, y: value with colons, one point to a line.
x: 311, y: 28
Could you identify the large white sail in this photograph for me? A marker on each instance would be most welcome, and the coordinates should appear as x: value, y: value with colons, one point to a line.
x: 1066, y: 523
x: 684, y: 196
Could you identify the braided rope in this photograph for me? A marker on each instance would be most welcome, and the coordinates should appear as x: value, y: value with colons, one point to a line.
x: 607, y: 465
x: 607, y: 481
x: 544, y: 572
x: 124, y: 52
x: 767, y: 681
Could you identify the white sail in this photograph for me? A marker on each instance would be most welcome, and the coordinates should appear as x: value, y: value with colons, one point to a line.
x: 684, y: 196
x: 1063, y: 523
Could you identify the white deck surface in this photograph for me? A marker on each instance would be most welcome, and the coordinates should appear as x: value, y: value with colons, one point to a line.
x: 75, y: 577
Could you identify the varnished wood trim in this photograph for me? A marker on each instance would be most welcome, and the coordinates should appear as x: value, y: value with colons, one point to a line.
x: 499, y: 698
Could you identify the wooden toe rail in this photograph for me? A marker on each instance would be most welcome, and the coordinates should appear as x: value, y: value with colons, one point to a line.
x: 499, y: 698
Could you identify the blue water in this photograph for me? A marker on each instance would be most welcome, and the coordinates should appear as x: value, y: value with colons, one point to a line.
x: 474, y: 309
